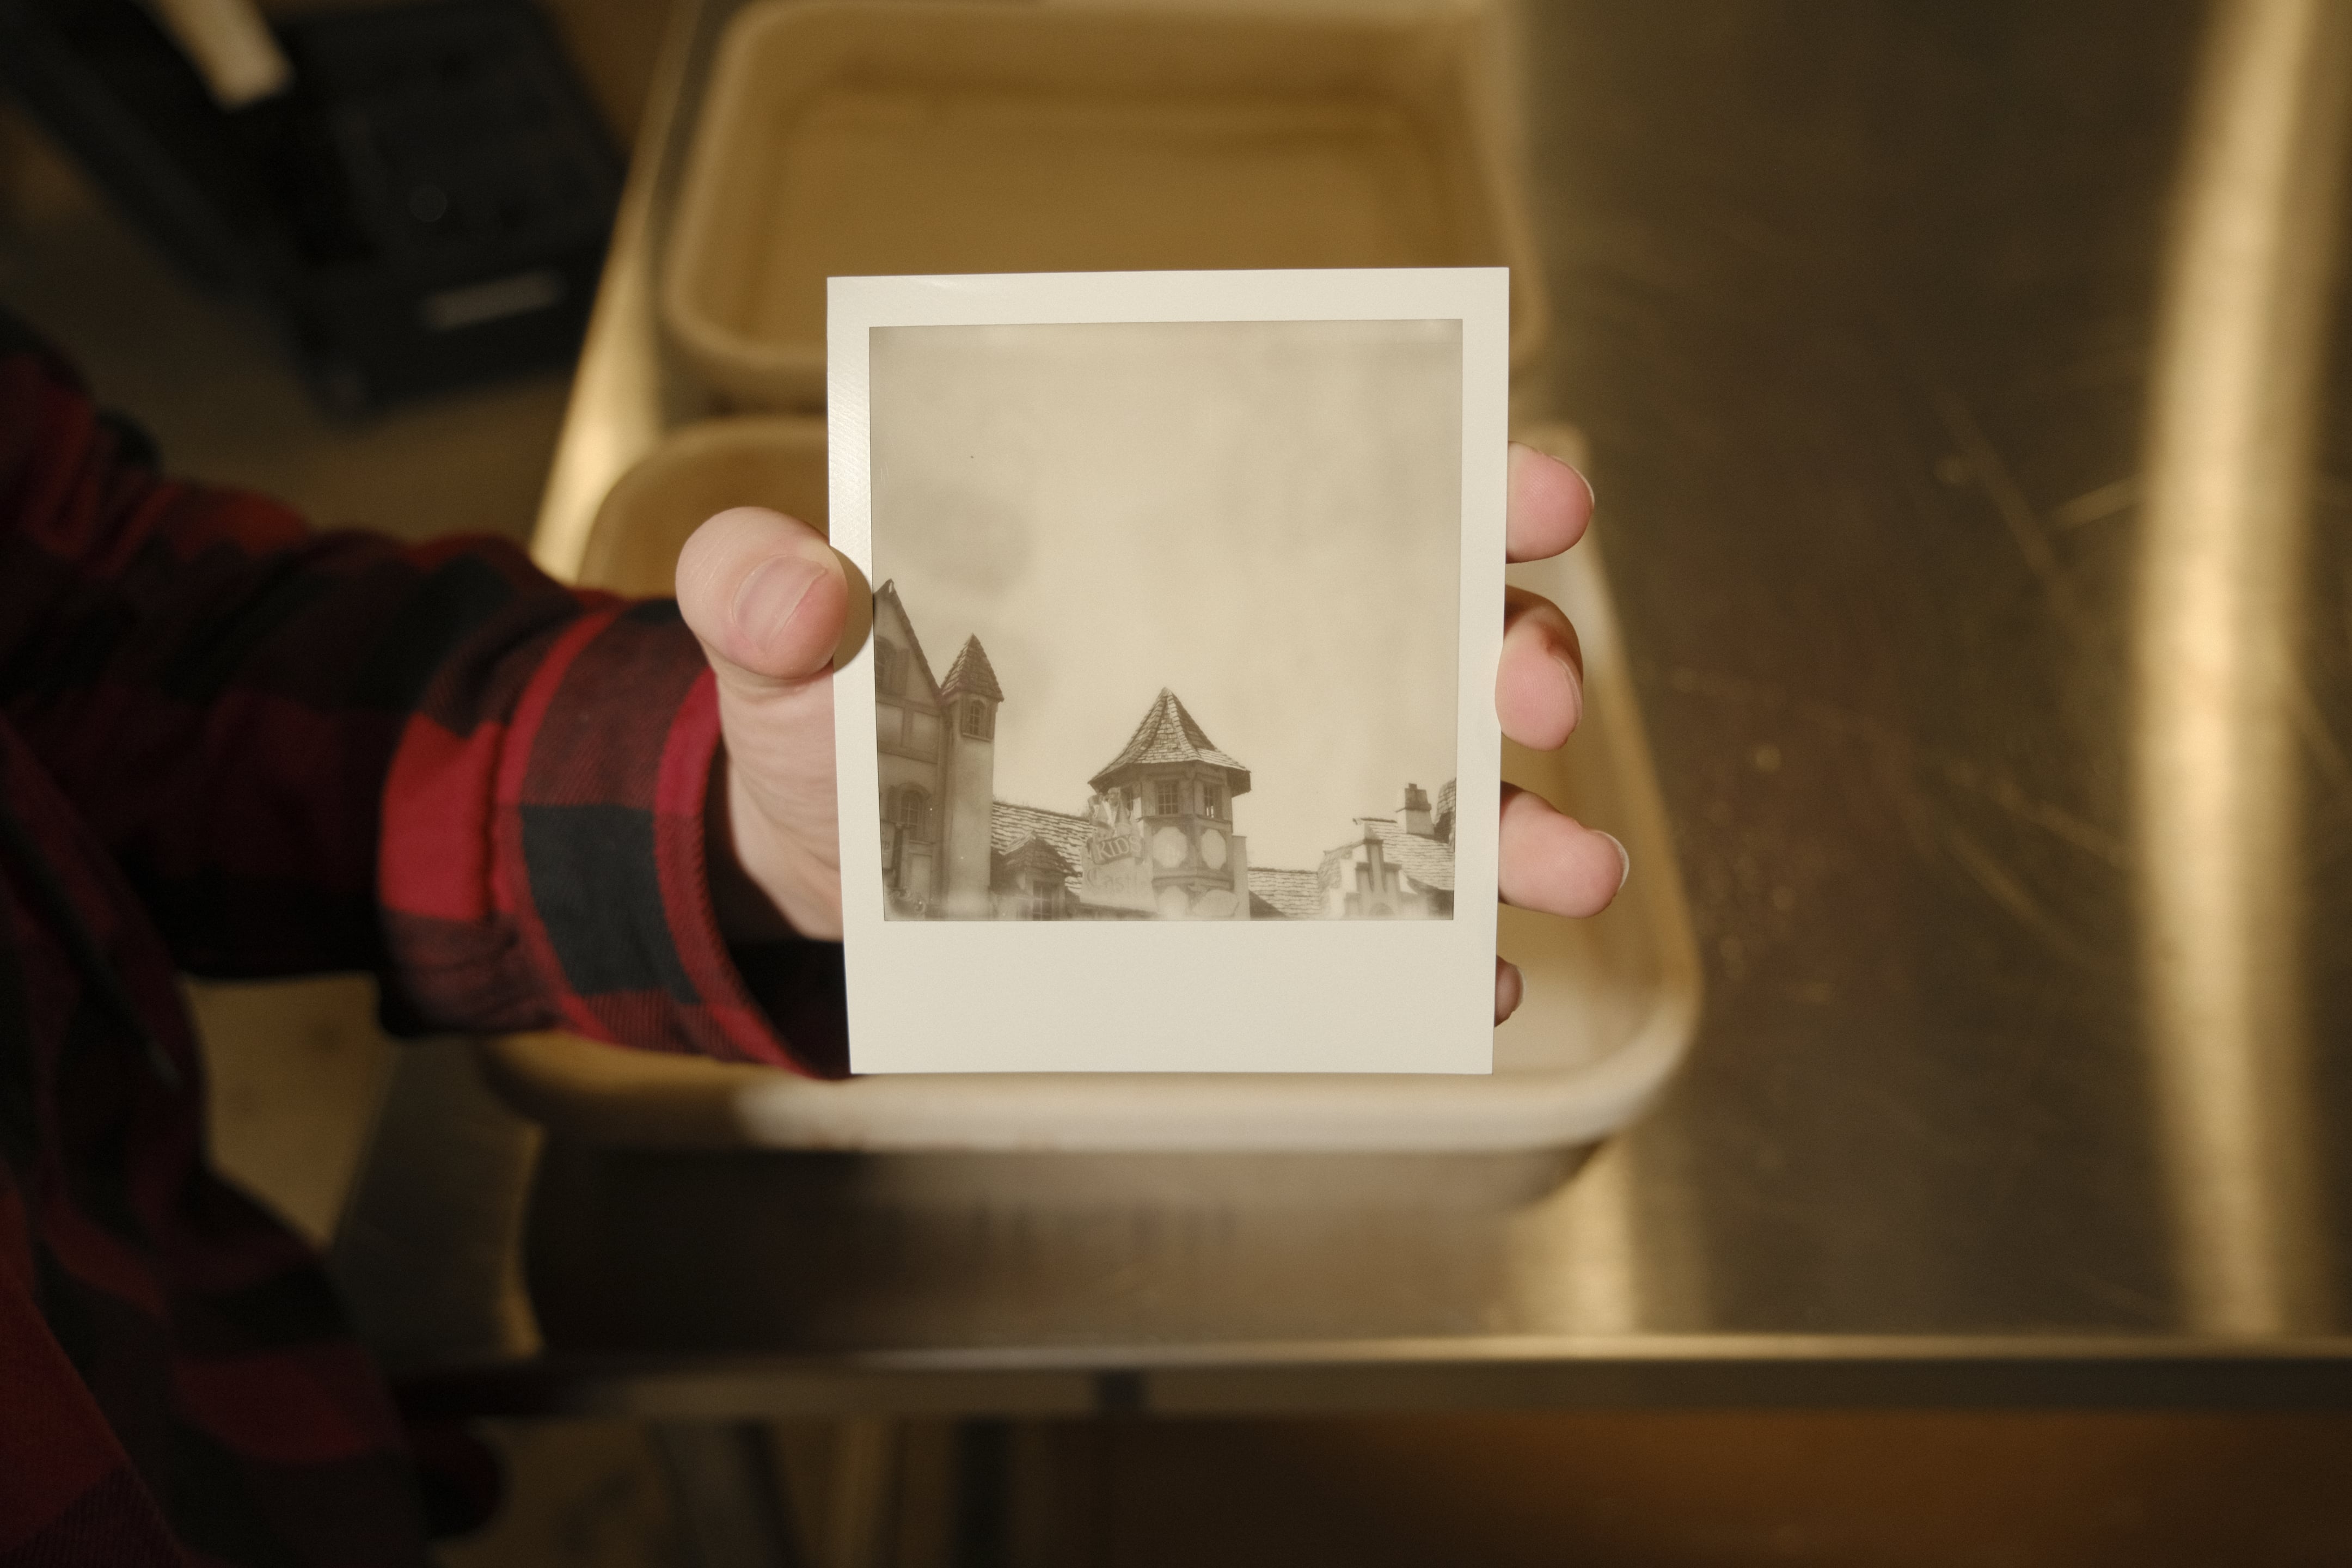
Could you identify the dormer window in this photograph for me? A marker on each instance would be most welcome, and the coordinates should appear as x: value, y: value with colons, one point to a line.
x: 975, y: 718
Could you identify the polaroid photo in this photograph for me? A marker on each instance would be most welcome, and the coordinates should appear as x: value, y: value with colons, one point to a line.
x: 1186, y: 604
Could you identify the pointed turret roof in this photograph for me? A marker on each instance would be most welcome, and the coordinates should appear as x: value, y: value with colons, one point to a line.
x: 970, y: 672
x: 1169, y: 734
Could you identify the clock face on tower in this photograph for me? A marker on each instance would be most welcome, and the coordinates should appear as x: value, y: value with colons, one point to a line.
x: 1168, y: 848
x: 1213, y: 848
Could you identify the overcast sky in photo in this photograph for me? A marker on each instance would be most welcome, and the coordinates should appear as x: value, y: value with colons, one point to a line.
x: 1263, y: 516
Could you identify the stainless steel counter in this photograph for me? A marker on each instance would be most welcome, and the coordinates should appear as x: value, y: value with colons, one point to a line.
x: 1968, y: 419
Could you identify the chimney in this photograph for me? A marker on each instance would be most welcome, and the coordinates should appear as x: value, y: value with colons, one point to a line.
x: 1415, y: 818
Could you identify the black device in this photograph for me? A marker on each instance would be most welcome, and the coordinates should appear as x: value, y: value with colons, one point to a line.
x: 426, y: 206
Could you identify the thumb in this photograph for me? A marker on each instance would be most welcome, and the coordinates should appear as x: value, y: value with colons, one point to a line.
x: 766, y: 594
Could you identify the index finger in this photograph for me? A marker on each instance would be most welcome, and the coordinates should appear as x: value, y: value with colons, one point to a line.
x: 1550, y: 506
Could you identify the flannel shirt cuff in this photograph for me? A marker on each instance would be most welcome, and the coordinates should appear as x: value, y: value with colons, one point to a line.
x: 600, y: 804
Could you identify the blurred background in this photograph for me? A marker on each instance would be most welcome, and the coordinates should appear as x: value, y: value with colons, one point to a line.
x: 1904, y: 345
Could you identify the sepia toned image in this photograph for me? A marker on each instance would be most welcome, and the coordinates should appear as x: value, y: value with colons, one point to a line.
x: 1167, y: 619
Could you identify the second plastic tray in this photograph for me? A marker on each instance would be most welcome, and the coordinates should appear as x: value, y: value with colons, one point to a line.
x: 842, y: 141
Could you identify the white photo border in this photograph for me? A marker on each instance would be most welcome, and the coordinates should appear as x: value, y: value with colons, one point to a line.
x: 1292, y: 996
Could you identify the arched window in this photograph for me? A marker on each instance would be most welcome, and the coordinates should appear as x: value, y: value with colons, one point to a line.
x: 889, y: 667
x: 975, y: 718
x: 910, y: 808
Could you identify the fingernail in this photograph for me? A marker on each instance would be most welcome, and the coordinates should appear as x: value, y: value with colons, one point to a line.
x: 1624, y: 860
x: 1508, y: 983
x: 1572, y: 685
x: 772, y: 592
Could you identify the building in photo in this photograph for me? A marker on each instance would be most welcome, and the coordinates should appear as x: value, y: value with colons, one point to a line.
x: 1157, y: 838
x: 1394, y: 868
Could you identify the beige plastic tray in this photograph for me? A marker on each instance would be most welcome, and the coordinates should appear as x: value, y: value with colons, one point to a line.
x: 699, y: 469
x: 844, y: 140
x: 1610, y: 1002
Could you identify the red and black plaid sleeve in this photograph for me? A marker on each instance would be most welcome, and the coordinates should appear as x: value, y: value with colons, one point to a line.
x: 233, y: 746
x: 319, y: 752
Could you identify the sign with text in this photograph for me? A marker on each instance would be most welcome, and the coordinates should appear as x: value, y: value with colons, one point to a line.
x: 1118, y: 873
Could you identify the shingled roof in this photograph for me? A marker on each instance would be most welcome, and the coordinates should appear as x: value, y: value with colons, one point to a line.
x: 1428, y: 861
x: 1285, y: 894
x: 970, y: 672
x: 1036, y: 853
x: 1010, y: 826
x: 1169, y: 734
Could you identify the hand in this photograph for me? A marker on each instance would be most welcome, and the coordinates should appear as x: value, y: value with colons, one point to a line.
x: 769, y: 598
x: 1544, y: 860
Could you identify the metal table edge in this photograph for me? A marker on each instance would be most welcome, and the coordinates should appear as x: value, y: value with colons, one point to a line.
x: 1647, y: 1372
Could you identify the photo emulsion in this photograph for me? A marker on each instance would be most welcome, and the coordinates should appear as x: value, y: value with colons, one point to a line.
x: 1167, y: 623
